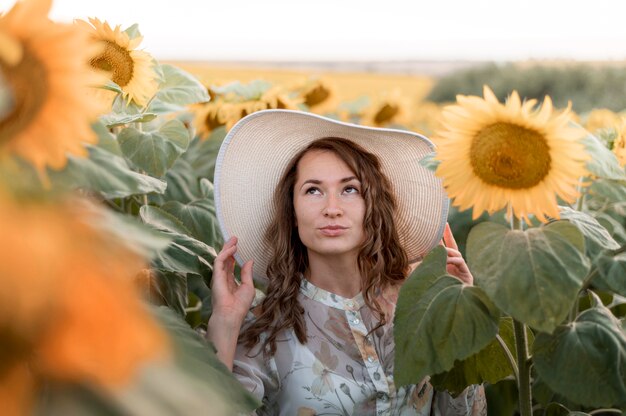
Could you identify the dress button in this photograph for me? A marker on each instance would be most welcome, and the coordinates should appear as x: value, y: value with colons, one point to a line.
x: 382, y: 396
x: 370, y: 359
x: 356, y: 321
x: 350, y: 304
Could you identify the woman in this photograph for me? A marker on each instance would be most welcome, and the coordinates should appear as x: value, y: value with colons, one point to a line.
x: 340, y: 229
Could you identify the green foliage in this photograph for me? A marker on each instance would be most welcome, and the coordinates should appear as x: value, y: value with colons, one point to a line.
x: 585, y: 86
x: 547, y: 265
x: 585, y: 360
x: 431, y: 306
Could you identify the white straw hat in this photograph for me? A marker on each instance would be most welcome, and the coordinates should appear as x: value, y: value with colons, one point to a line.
x: 258, y: 148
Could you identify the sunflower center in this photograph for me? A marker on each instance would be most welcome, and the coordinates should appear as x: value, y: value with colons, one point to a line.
x: 27, y: 83
x: 116, y: 60
x: 316, y: 96
x: 510, y: 156
x: 386, y: 113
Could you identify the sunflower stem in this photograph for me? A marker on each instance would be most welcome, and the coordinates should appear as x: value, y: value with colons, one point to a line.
x: 521, y: 349
x: 509, y: 356
x: 581, y: 195
x: 523, y: 363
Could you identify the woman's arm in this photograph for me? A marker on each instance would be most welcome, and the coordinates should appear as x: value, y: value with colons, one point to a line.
x: 231, y: 302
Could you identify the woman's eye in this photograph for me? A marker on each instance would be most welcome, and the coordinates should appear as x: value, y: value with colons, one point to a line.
x: 351, y: 190
x: 312, y: 190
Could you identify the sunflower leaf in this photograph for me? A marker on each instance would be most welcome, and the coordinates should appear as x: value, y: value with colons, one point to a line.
x: 613, y: 190
x: 431, y: 306
x: 155, y: 152
x: 133, y: 31
x: 178, y: 90
x: 429, y: 162
x: 611, y: 271
x: 236, y: 91
x: 547, y: 265
x: 585, y: 360
x: 199, y: 218
x: 106, y: 173
x: 603, y: 162
x: 114, y: 120
x: 596, y: 235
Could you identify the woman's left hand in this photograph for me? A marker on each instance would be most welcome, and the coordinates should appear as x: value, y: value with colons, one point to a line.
x: 456, y: 265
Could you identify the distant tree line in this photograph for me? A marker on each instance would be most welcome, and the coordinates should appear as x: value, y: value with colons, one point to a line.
x: 586, y: 86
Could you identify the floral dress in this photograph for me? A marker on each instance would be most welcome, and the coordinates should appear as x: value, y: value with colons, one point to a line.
x: 341, y: 370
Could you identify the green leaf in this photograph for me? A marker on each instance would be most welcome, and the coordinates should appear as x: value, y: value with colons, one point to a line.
x: 585, y: 360
x: 140, y: 238
x: 198, y: 360
x: 596, y: 236
x: 439, y: 320
x: 533, y: 275
x: 614, y: 191
x: 612, y: 271
x: 185, y: 254
x: 113, y: 120
x: 489, y: 365
x: 178, y: 90
x: 155, y: 152
x: 199, y: 218
x: 429, y: 162
x: 111, y: 86
x: 236, y: 91
x: 133, y: 31
x: 603, y: 162
x: 172, y: 288
x: 106, y: 173
x: 106, y: 140
x: 202, y: 154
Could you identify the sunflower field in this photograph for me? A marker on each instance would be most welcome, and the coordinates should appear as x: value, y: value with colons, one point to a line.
x: 110, y: 231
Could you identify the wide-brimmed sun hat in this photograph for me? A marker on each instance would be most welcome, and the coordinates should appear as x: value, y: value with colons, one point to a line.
x: 255, y: 154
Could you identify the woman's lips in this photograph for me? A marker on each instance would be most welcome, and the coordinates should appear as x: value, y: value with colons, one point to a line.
x: 333, y: 230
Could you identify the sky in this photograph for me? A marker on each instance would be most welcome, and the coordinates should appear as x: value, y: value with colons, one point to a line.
x: 365, y: 30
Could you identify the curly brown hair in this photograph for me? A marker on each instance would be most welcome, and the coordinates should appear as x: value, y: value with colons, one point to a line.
x: 381, y: 259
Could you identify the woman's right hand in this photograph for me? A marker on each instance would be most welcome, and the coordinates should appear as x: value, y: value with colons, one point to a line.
x: 230, y: 300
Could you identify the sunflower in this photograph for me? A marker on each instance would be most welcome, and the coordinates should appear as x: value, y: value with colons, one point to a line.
x: 601, y: 118
x: 45, y: 113
x: 129, y: 68
x: 619, y: 145
x: 494, y: 155
x: 318, y: 95
x: 207, y: 117
x: 389, y: 108
x: 73, y: 315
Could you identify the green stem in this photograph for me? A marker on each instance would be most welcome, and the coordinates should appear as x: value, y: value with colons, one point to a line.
x: 523, y: 363
x: 509, y: 356
x: 581, y: 197
x: 600, y: 411
x: 521, y: 350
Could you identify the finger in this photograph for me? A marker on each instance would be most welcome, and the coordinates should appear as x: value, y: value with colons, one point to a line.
x: 448, y: 238
x: 225, y: 254
x: 453, y: 253
x: 457, y: 261
x: 246, y: 273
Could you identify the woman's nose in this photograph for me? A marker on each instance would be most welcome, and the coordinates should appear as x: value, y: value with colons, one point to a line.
x: 332, y: 208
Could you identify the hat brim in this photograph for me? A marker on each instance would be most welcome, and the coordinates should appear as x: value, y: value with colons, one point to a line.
x: 256, y: 151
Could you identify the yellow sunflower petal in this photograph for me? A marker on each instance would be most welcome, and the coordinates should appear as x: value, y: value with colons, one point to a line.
x: 494, y: 155
x: 129, y: 68
x: 51, y: 114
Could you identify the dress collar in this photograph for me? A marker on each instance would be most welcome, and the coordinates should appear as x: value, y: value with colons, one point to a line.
x: 311, y: 291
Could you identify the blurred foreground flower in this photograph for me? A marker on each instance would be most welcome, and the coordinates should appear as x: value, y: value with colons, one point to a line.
x: 129, y: 68
x: 495, y: 155
x: 44, y: 73
x: 68, y: 307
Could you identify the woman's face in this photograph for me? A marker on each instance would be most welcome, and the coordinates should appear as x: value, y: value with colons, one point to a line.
x: 329, y: 206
